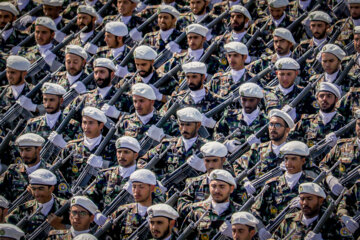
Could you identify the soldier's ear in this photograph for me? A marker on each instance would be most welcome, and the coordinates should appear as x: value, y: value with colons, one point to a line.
x: 172, y: 223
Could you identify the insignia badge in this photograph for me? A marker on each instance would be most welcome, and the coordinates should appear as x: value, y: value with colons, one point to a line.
x: 301, y: 188
x: 157, y: 190
x: 18, y: 160
x: 73, y: 201
x: 107, y: 200
x: 75, y: 169
x: 62, y: 187
x: 344, y: 232
x: 273, y: 210
x: 151, y: 213
x: 342, y: 168
x: 214, y: 176
x: 204, y: 237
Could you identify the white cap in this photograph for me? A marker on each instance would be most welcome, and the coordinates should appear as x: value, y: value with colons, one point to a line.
x: 278, y: 3
x: 162, y: 210
x: 128, y: 142
x: 237, y: 8
x: 135, y: 1
x: 87, y: 10
x: 283, y: 115
x: 145, y: 53
x: 189, y: 114
x: 194, y: 67
x: 287, y: 63
x: 357, y: 30
x: 312, y: 188
x: 11, y: 231
x: 18, y: 63
x: 320, y: 16
x: 285, y: 34
x: 251, y: 90
x: 30, y: 140
x: 117, y: 28
x: 357, y: 114
x: 244, y: 218
x: 197, y: 28
x: 170, y: 10
x: 94, y: 113
x: 329, y: 87
x: 144, y: 176
x: 54, y: 3
x: 214, y: 149
x: 42, y: 177
x: 222, y: 175
x: 106, y: 63
x: 143, y: 90
x: 76, y: 50
x: 353, y: 1
x: 9, y: 7
x: 85, y: 203
x: 53, y: 88
x: 85, y: 236
x: 4, y: 203
x: 237, y: 47
x: 333, y: 49
x: 46, y: 22
x: 295, y: 148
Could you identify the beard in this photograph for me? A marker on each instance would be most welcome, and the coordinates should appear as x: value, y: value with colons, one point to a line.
x: 164, y: 234
x: 105, y: 82
x: 329, y: 109
x: 239, y: 27
x: 195, y: 87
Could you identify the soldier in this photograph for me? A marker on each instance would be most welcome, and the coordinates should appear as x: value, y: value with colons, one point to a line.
x: 162, y: 219
x: 15, y: 179
x: 312, y: 197
x: 243, y: 226
x: 354, y: 52
x: 283, y: 189
x: 82, y: 213
x: 10, y: 231
x: 53, y: 9
x: 4, y: 207
x: 70, y: 11
x: 314, y: 127
x: 42, y: 184
x: 45, y: 124
x: 85, y: 236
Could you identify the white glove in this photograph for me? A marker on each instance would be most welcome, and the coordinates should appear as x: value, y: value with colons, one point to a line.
x: 264, y: 234
x: 100, y: 219
x: 350, y: 223
x: 110, y: 111
x: 15, y: 50
x: 250, y: 189
x: 49, y: 57
x: 334, y: 185
x: 59, y: 36
x: 91, y: 48
x: 135, y: 35
x: 232, y: 145
x: 252, y: 139
x: 331, y: 138
x: 79, y: 87
x: 295, y: 203
x: 155, y: 133
x: 99, y: 20
x: 128, y: 187
x: 158, y: 95
x: 26, y: 20
x: 121, y: 71
x: 163, y: 189
x: 313, y: 236
x: 95, y: 161
x: 173, y: 47
x: 290, y: 110
x: 57, y: 139
x: 208, y: 122
x: 209, y: 36
x: 225, y: 229
x: 26, y: 103
x: 197, y: 163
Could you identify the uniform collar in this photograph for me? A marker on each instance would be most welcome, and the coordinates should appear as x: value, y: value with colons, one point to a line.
x: 117, y: 51
x: 51, y: 119
x: 21, y: 4
x: 308, y: 221
x: 73, y: 79
x: 317, y: 42
x: 103, y: 91
x: 196, y: 54
x: 286, y: 91
x: 276, y: 148
x: 43, y: 48
x: 292, y: 179
x: 17, y: 90
x: 304, y: 4
x: 238, y: 36
x: 91, y: 3
x: 75, y: 233
x: 46, y: 207
x: 278, y: 22
x: 286, y: 55
x: 32, y: 169
x: 84, y: 36
x: 91, y: 143
x: 249, y: 118
x: 327, y: 117
x: 220, y: 207
x: 188, y: 143
x: 141, y: 209
x: 126, y: 172
x: 147, y: 78
x: 237, y: 74
x: 125, y: 20
x: 146, y: 118
x: 57, y: 20
x: 6, y: 34
x: 198, y: 18
x: 198, y: 95
x: 356, y: 22
x: 166, y: 34
x: 331, y: 77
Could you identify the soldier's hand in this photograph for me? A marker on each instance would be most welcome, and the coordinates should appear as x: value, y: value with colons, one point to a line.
x: 95, y: 161
x: 173, y: 47
x: 55, y: 221
x: 91, y: 48
x: 252, y: 139
x: 208, y: 122
x: 135, y: 35
x: 26, y: 103
x: 250, y: 189
x: 100, y: 219
x: 155, y: 133
x: 350, y: 223
x: 57, y: 139
x: 264, y: 234
x: 232, y: 145
x: 331, y: 139
x: 313, y: 236
x: 197, y: 163
x: 121, y: 71
x: 79, y: 87
x: 110, y: 111
x: 334, y: 185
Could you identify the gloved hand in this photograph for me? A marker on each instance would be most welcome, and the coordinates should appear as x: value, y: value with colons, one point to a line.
x: 350, y: 223
x: 95, y: 161
x: 79, y: 87
x: 91, y: 48
x: 208, y: 122
x: 334, y: 185
x: 313, y: 236
x: 250, y: 189
x: 264, y: 234
x: 173, y: 47
x: 225, y: 229
x: 252, y: 139
x: 290, y: 110
x: 99, y: 20
x: 25, y: 20
x: 57, y: 139
x: 110, y: 111
x: 121, y: 71
x: 155, y: 133
x: 49, y: 57
x: 59, y: 36
x: 209, y: 36
x: 128, y: 187
x: 100, y: 219
x: 26, y: 103
x: 232, y: 145
x: 197, y: 163
x: 331, y: 138
x: 295, y: 203
x: 135, y: 35
x: 158, y: 95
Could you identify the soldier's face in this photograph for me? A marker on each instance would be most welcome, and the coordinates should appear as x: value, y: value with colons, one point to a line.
x: 143, y: 106
x: 282, y: 46
x: 277, y: 129
x: 51, y: 12
x: 189, y: 129
x: 144, y: 66
x: 220, y: 191
x: 195, y: 81
x: 142, y: 191
x: 195, y: 41
x: 310, y: 204
x: 30, y: 155
x: 330, y: 63
x: 15, y: 77
x: 160, y: 227
x: 91, y: 127
x: 237, y: 21
x: 357, y: 42
x: 212, y: 163
x: 242, y: 232
x: 111, y: 40
x: 293, y: 163
x: 236, y: 60
x: 357, y: 128
x: 126, y: 157
x: 52, y: 103
x: 3, y: 214
x: 318, y: 29
x: 354, y: 10
x: 5, y: 17
x: 126, y: 7
x: 277, y: 13
x: 42, y: 193
x: 166, y: 21
x: 286, y: 77
x: 198, y: 7
x: 326, y: 101
x: 80, y: 218
x: 249, y: 104
x: 43, y: 35
x: 74, y: 64
x: 102, y: 77
x: 85, y: 20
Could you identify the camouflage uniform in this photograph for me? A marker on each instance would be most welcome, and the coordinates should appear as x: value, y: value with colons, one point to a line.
x: 62, y: 80
x: 60, y: 235
x: 355, y: 70
x: 27, y: 8
x: 15, y: 38
x: 154, y: 40
x: 77, y: 40
x: 346, y: 36
x: 350, y: 102
x: 70, y: 11
x: 105, y: 52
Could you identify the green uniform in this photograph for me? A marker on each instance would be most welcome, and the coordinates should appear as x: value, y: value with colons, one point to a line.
x: 350, y: 102
x: 154, y: 40
x: 61, y: 79
x: 106, y: 52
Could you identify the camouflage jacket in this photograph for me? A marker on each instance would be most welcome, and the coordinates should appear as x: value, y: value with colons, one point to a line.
x: 154, y: 40
x: 350, y: 204
x: 349, y: 103
x: 77, y: 40
x: 60, y: 235
x: 62, y: 80
x: 70, y: 11
x: 346, y: 36
x: 355, y: 70
x: 106, y: 52
x: 13, y: 40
